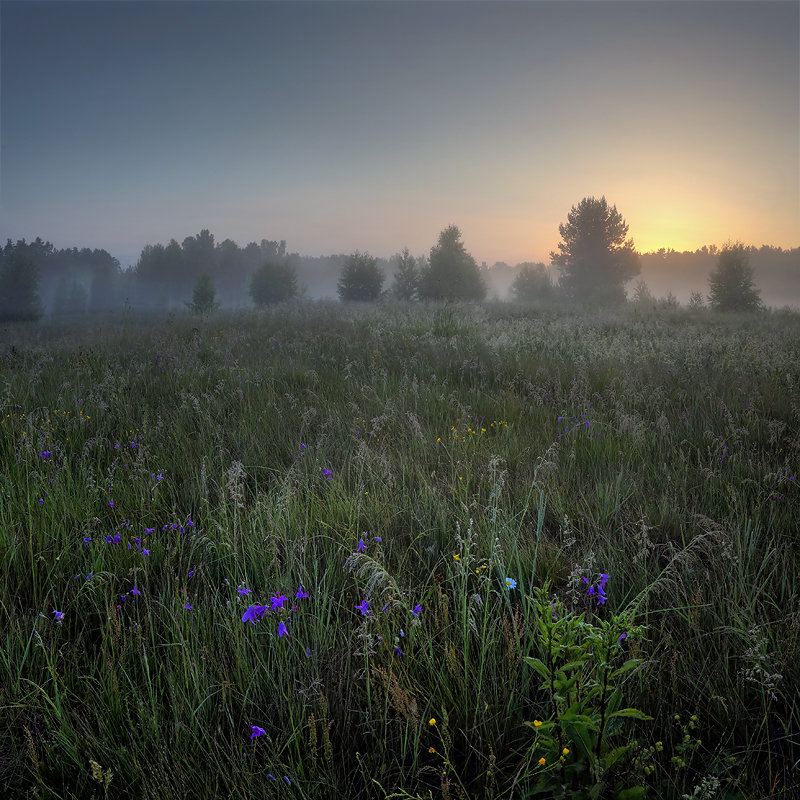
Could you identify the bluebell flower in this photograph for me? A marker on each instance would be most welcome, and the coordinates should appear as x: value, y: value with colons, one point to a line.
x: 416, y: 610
x: 277, y: 602
x: 364, y: 608
x: 254, y: 613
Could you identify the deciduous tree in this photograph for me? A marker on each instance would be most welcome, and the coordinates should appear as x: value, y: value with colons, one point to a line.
x: 731, y: 282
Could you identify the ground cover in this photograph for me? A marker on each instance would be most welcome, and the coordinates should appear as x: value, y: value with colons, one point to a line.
x: 385, y: 551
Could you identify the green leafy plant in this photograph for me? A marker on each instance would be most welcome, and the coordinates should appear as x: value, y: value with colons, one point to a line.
x: 582, y: 665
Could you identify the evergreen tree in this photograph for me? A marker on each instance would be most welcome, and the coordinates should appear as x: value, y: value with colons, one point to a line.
x: 452, y: 273
x: 594, y: 257
x: 203, y: 296
x: 406, y: 278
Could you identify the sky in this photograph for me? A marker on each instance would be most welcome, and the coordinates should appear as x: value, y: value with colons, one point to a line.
x: 343, y: 126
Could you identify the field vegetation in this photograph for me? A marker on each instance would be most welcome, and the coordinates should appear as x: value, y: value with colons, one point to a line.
x: 448, y: 551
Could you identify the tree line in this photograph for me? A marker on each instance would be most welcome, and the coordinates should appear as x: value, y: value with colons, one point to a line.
x: 595, y: 260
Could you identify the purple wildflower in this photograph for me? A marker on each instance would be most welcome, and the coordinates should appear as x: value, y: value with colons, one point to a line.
x: 328, y: 473
x: 277, y: 602
x: 622, y: 636
x: 187, y: 605
x: 361, y: 546
x: 254, y: 613
x: 243, y: 591
x: 417, y: 608
x: 59, y: 616
x: 364, y: 608
x: 256, y: 732
x: 135, y: 592
x: 300, y: 593
x: 282, y: 629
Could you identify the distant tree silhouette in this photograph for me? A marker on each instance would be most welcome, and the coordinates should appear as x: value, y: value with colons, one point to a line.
x: 71, y: 297
x: 273, y: 282
x: 406, y: 278
x: 696, y: 301
x: 203, y: 296
x: 531, y: 283
x: 594, y: 257
x: 731, y: 282
x: 361, y: 279
x: 452, y: 273
x: 642, y: 294
x: 19, y: 284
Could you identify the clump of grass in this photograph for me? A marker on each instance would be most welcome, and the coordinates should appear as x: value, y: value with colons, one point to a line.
x: 408, y: 480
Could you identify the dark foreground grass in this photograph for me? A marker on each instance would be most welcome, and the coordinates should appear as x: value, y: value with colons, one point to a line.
x: 449, y: 486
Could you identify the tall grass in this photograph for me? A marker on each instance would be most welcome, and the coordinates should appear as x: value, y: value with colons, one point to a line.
x: 463, y: 446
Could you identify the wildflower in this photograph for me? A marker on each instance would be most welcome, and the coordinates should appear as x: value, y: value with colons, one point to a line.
x: 431, y: 749
x: 256, y: 731
x: 254, y: 613
x: 398, y: 651
x: 378, y: 538
x: 187, y: 606
x: 432, y: 721
x: 300, y: 593
x: 282, y: 629
x: 135, y: 592
x: 328, y: 473
x: 537, y: 723
x: 59, y: 616
x: 111, y: 503
x: 86, y: 540
x: 542, y: 761
x: 622, y: 636
x: 191, y: 573
x: 456, y: 556
x: 415, y: 611
x: 243, y: 591
x: 511, y: 583
x: 46, y: 454
x: 277, y: 602
x: 361, y: 546
x: 565, y: 751
x: 286, y: 778
x: 364, y: 608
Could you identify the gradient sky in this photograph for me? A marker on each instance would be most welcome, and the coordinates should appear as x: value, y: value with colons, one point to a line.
x: 355, y: 125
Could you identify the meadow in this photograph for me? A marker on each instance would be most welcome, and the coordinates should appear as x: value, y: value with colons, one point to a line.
x: 401, y: 552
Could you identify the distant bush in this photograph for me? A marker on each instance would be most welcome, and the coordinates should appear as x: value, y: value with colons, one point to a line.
x: 532, y: 283
x: 273, y: 282
x: 642, y: 294
x: 19, y: 284
x: 361, y: 278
